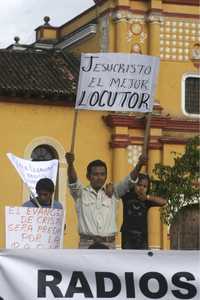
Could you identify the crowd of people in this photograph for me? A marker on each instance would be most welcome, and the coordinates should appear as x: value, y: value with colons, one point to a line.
x: 96, y: 204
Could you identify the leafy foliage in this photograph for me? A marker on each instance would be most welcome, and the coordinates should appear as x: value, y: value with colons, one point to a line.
x: 178, y: 183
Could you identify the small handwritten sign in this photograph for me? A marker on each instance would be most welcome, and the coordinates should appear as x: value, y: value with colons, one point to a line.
x: 32, y: 171
x: 30, y: 227
x: 117, y: 82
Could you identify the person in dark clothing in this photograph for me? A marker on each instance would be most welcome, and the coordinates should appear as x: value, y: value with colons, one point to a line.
x: 135, y: 208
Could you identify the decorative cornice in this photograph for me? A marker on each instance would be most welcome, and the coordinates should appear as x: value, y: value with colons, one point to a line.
x: 155, y: 146
x: 177, y: 2
x: 155, y: 17
x: 173, y: 140
x: 124, y: 121
x: 181, y: 125
x: 181, y: 15
x: 119, y: 141
x: 129, y: 13
x: 138, y: 18
x: 140, y: 139
x: 123, y: 141
x: 182, y: 2
x: 164, y: 123
x: 155, y: 143
x: 77, y: 36
x: 122, y: 14
x: 117, y: 144
x: 136, y: 140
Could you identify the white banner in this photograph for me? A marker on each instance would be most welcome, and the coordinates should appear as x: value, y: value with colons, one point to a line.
x: 117, y: 82
x: 32, y: 171
x: 32, y: 227
x: 99, y: 274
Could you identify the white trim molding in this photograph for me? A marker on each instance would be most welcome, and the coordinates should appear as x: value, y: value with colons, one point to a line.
x: 184, y: 78
x: 77, y: 36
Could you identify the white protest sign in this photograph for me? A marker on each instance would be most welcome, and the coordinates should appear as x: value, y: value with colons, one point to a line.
x: 32, y: 171
x: 31, y: 227
x: 99, y: 274
x: 117, y: 82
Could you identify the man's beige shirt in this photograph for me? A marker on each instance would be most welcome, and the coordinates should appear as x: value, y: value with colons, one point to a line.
x: 96, y: 211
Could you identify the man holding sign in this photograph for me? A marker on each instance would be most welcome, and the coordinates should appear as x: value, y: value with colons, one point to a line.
x: 39, y: 224
x: 110, y: 82
x: 96, y: 209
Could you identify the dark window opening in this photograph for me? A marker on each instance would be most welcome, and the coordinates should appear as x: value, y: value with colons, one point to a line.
x: 192, y: 95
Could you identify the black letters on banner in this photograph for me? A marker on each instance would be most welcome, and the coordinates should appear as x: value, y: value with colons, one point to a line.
x: 78, y: 284
x: 130, y: 286
x: 90, y: 64
x: 135, y: 98
x: 161, y: 281
x: 145, y: 98
x: 191, y: 289
x: 82, y: 98
x: 95, y: 97
x: 101, y: 290
x: 109, y: 99
x: 43, y: 283
x: 73, y: 289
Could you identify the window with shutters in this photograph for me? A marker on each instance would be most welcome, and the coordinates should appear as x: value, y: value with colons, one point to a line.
x: 191, y: 95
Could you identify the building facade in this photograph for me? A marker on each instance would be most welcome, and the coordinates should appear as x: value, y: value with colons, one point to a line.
x: 40, y: 123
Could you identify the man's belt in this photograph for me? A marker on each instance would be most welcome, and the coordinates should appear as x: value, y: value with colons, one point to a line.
x: 97, y: 238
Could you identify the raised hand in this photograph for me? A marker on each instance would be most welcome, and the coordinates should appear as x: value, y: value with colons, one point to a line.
x: 70, y: 158
x: 142, y: 160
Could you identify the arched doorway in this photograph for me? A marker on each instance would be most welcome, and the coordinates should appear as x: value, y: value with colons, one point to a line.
x: 184, y: 231
x: 45, y: 148
x: 45, y: 153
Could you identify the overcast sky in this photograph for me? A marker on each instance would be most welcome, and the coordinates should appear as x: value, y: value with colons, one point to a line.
x: 21, y: 17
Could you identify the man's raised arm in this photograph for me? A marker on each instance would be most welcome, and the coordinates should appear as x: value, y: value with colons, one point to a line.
x: 71, y: 172
x: 123, y: 187
x: 136, y: 170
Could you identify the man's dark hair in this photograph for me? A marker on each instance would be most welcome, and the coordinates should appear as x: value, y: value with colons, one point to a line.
x: 98, y: 245
x: 142, y: 176
x: 45, y: 184
x: 95, y: 163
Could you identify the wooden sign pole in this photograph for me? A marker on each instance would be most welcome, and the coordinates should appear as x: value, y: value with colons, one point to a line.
x: 74, y: 131
x: 146, y: 134
x: 33, y: 197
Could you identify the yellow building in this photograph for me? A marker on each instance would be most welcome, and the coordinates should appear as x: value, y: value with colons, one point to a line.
x: 38, y: 117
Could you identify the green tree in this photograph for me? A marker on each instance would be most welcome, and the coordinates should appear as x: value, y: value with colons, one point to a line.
x: 178, y: 183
